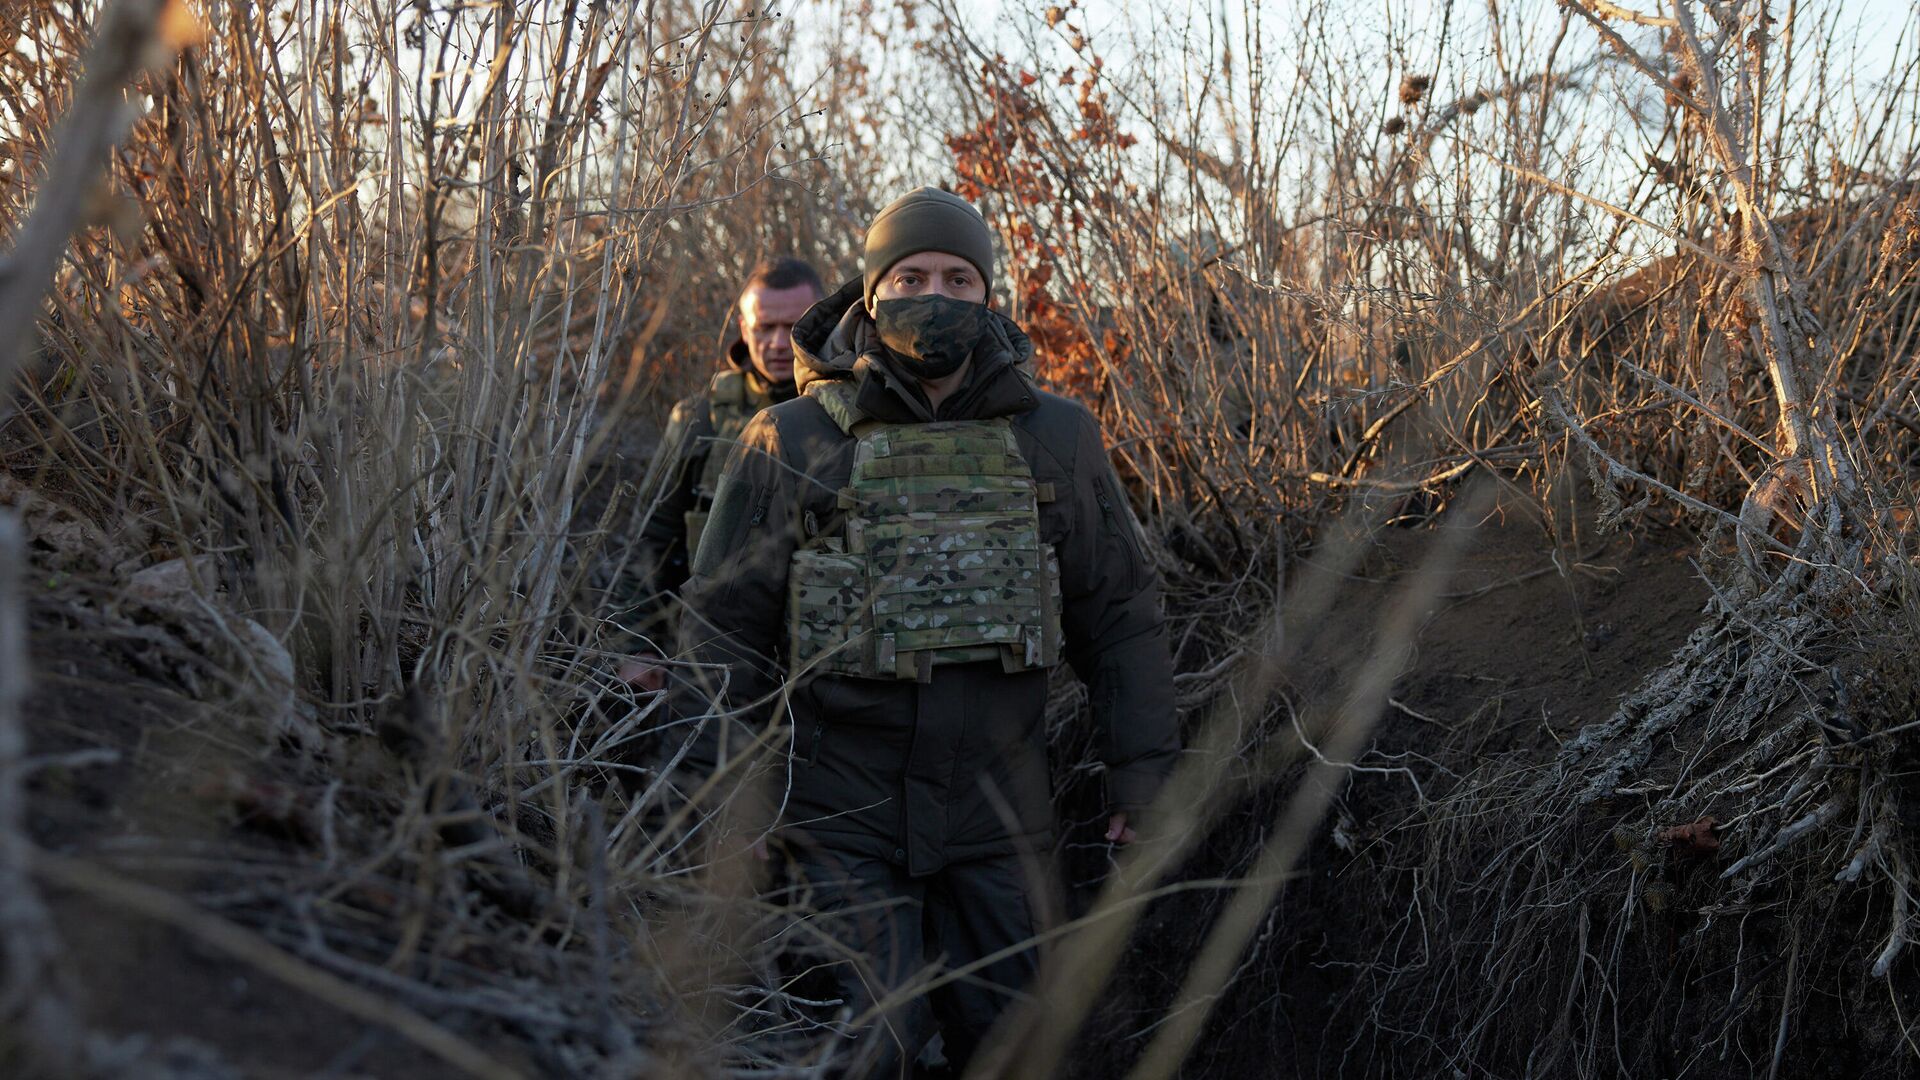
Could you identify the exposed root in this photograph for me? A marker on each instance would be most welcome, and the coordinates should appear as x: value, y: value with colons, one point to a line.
x: 1868, y: 853
x: 1897, y: 940
x: 1757, y: 743
x: 1785, y: 837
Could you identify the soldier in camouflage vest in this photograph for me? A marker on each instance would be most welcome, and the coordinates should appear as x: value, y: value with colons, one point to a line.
x: 702, y: 429
x: 895, y: 561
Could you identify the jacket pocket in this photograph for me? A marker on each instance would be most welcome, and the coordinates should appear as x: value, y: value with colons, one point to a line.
x: 732, y: 532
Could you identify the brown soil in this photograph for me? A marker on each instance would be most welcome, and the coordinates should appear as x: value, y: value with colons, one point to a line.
x: 1531, y: 641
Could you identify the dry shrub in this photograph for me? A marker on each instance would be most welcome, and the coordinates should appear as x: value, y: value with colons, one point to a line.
x: 341, y: 334
x: 360, y: 291
x: 1279, y: 312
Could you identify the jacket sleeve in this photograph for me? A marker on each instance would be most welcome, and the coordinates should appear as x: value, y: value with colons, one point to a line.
x: 733, y: 617
x: 644, y: 595
x: 1116, y: 636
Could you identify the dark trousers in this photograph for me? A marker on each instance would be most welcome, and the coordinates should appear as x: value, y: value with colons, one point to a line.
x: 889, y: 935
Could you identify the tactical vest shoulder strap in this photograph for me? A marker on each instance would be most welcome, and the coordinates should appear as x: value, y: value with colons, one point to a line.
x: 837, y: 397
x: 728, y: 395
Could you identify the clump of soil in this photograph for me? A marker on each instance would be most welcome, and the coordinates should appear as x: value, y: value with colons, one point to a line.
x: 159, y: 787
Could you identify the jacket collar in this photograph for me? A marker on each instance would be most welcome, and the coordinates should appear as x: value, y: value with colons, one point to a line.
x: 835, y: 341
x: 740, y: 360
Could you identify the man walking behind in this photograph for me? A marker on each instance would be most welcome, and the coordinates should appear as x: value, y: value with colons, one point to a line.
x: 894, y: 562
x: 701, y: 430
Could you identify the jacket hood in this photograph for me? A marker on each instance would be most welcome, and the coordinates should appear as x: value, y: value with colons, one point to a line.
x: 737, y: 353
x: 836, y: 340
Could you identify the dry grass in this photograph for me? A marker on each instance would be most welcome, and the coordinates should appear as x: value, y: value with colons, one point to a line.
x: 366, y: 296
x: 346, y: 315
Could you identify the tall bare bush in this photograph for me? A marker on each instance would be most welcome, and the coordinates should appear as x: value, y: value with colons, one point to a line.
x: 1301, y: 263
x: 354, y: 296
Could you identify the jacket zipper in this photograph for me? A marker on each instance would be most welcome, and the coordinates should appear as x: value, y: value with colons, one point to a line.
x: 1121, y: 529
x: 739, y: 534
x: 813, y: 747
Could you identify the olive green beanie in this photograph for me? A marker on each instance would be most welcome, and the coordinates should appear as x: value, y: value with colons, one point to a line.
x: 927, y: 219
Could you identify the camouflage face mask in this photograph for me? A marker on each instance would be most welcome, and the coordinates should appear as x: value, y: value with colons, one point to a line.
x: 931, y: 335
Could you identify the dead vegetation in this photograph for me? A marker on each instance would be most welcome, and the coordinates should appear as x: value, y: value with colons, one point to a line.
x: 364, y: 299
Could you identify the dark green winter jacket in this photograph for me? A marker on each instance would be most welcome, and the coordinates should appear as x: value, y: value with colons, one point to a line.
x: 924, y: 773
x: 670, y: 491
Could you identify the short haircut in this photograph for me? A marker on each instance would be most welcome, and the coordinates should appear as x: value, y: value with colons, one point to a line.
x: 783, y: 272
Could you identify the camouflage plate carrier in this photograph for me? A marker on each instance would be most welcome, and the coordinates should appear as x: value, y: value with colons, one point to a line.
x: 733, y: 399
x: 941, y: 561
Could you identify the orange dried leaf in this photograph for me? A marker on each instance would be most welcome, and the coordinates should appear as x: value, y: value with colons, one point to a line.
x: 180, y: 27
x: 1693, y: 838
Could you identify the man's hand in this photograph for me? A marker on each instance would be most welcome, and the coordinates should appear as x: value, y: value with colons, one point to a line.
x: 643, y: 671
x: 1117, y: 830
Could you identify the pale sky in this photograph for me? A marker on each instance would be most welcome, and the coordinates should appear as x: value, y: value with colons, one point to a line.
x: 1878, y: 24
x: 1376, y: 42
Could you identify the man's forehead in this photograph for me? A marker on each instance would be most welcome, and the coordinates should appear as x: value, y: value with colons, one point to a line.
x: 929, y: 261
x: 792, y: 301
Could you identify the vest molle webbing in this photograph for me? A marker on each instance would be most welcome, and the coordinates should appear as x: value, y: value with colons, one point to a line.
x: 941, y: 561
x: 732, y: 400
